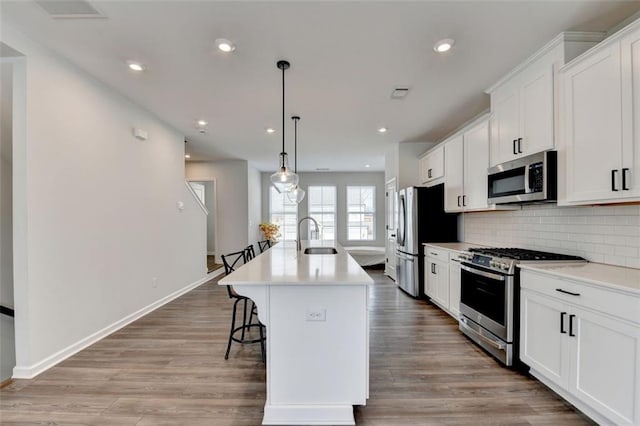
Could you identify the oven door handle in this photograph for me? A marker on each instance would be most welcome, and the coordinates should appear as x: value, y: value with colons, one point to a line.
x: 483, y: 273
x: 498, y: 345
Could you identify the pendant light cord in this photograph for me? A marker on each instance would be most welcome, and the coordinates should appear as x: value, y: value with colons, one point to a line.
x: 295, y: 149
x: 283, y: 69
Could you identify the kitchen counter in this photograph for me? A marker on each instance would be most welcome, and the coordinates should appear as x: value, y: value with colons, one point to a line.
x: 283, y: 264
x: 315, y: 308
x: 454, y: 246
x: 616, y: 277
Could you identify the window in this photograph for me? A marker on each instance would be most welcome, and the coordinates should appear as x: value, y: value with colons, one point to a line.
x: 361, y: 213
x: 322, y: 207
x: 284, y: 213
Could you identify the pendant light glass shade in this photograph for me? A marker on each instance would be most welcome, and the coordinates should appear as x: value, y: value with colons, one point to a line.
x: 296, y: 194
x: 284, y: 180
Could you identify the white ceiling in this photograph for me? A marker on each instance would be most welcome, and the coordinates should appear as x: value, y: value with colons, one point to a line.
x: 346, y: 57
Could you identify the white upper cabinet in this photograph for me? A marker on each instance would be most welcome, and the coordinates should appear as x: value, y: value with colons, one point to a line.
x: 476, y: 163
x: 432, y: 166
x: 522, y: 103
x: 522, y: 121
x: 599, y: 135
x: 454, y: 174
x: 466, y: 163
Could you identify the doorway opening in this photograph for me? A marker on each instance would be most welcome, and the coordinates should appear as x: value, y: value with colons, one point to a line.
x: 7, y: 317
x: 206, y: 192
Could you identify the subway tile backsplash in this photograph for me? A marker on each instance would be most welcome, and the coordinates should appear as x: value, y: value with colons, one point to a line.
x: 604, y: 234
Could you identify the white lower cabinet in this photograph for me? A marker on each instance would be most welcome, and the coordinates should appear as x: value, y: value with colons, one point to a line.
x: 589, y: 357
x: 442, y: 279
x: 438, y: 281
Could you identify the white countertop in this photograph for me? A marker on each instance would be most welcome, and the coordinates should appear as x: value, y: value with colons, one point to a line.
x: 595, y: 273
x: 283, y: 264
x: 454, y: 246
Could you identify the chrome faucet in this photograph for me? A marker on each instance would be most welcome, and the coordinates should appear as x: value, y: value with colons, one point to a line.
x: 299, y: 245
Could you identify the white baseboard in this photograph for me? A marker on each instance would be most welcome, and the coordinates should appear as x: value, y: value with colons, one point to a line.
x: 211, y: 253
x: 29, y: 372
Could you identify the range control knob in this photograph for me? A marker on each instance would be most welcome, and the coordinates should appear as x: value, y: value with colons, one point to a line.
x: 505, y: 266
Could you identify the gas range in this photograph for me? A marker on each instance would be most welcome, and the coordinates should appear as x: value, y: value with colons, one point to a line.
x: 504, y: 260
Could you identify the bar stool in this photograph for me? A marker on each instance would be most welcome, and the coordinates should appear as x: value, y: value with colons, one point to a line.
x: 250, y: 252
x: 264, y: 245
x: 232, y: 261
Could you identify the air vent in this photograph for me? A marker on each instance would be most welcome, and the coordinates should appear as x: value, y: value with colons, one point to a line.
x: 399, y: 92
x: 70, y: 9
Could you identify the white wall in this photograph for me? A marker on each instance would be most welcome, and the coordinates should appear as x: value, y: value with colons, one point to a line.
x: 254, y: 183
x: 232, y: 200
x: 605, y: 234
x: 210, y: 204
x: 401, y: 162
x: 95, y: 216
x: 340, y: 180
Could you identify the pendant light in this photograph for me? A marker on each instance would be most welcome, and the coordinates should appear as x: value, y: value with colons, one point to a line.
x: 296, y: 195
x: 283, y: 180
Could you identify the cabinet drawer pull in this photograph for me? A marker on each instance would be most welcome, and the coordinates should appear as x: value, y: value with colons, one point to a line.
x: 459, y: 201
x: 571, y: 317
x: 624, y: 179
x: 515, y: 151
x: 613, y: 180
x: 567, y: 292
x: 433, y: 253
x: 429, y: 173
x: 562, y: 315
x: 464, y: 200
x: 519, y: 145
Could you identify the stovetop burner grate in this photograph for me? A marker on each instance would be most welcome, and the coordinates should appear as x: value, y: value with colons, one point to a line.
x: 523, y: 254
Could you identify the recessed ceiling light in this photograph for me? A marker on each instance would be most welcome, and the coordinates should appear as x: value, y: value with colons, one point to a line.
x: 225, y: 45
x: 202, y: 123
x: 135, y: 66
x: 382, y: 130
x: 367, y: 165
x: 187, y: 156
x: 271, y: 130
x: 444, y: 45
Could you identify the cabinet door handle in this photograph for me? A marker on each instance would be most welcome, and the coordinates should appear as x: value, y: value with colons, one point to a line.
x: 519, y: 145
x: 567, y: 292
x: 624, y: 179
x: 562, y: 315
x: 433, y: 269
x: 459, y: 201
x: 464, y: 200
x: 613, y: 179
x: 515, y: 151
x: 571, y: 317
x: 429, y: 173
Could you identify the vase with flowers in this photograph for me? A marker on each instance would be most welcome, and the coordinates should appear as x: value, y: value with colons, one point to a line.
x: 270, y: 230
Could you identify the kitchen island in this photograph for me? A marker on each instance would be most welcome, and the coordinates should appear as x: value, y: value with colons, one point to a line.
x: 315, y: 309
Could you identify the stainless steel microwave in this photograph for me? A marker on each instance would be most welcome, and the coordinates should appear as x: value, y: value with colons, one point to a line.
x: 524, y: 180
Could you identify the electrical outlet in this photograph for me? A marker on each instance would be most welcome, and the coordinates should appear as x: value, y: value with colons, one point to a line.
x: 316, y: 315
x: 154, y: 282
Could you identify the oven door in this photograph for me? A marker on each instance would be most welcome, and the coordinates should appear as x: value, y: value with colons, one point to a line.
x: 486, y: 298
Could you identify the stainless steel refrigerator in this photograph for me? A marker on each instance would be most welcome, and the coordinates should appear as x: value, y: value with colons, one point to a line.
x: 421, y: 219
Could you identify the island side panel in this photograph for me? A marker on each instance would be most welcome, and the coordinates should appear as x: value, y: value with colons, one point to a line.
x: 318, y: 362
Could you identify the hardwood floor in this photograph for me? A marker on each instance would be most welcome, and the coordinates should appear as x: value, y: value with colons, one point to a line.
x: 168, y: 368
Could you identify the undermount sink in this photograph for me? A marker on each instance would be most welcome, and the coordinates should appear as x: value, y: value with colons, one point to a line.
x: 320, y: 250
